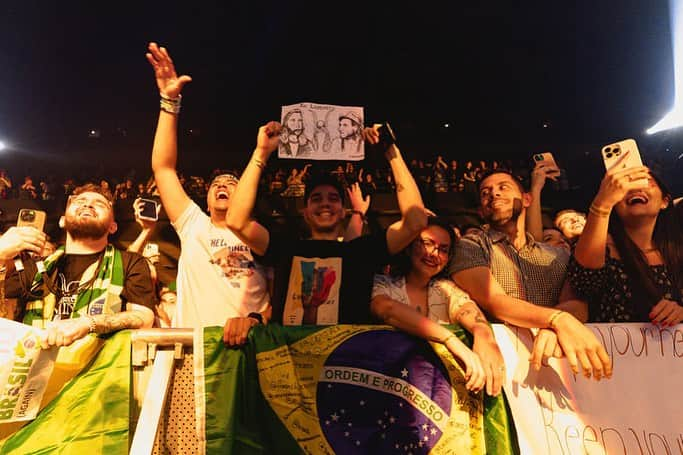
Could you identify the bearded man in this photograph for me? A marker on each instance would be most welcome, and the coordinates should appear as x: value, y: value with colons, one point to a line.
x: 87, y: 285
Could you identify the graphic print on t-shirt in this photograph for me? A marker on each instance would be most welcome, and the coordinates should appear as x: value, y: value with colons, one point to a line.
x: 313, y: 291
x: 235, y: 261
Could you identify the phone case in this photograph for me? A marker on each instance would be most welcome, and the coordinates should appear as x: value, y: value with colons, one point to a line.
x: 547, y: 158
x: 612, y: 152
x: 31, y: 217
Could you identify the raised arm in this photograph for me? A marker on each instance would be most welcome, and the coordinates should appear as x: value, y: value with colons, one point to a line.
x: 359, y: 207
x: 243, y: 199
x: 534, y: 214
x: 590, y: 248
x: 413, y: 214
x: 165, y: 148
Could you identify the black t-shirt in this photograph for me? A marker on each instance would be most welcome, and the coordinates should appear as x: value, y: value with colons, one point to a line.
x: 137, y: 281
x: 333, y: 278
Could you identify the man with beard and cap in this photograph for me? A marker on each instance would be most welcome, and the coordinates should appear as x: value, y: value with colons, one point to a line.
x: 350, y: 138
x: 217, y: 277
x: 522, y: 282
x: 87, y: 285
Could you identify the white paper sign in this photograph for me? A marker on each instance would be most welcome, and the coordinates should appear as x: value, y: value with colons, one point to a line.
x: 638, y: 411
x: 322, y: 132
x: 25, y: 369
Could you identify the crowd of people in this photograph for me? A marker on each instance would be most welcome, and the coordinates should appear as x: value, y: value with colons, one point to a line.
x: 620, y: 260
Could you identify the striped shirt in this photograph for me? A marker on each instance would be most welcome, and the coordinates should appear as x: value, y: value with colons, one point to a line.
x: 535, y: 273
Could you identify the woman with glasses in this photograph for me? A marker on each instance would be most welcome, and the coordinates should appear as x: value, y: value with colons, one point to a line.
x: 418, y: 298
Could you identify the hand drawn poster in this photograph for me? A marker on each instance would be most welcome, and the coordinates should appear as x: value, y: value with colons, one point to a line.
x: 321, y: 132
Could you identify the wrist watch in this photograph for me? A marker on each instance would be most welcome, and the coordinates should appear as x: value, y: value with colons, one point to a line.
x: 256, y: 316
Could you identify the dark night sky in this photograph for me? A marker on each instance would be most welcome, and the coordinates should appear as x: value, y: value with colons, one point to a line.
x: 495, y: 71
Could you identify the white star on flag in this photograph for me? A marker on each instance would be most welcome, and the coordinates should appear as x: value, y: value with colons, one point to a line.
x: 404, y: 373
x: 426, y: 438
x: 424, y: 427
x: 334, y: 417
x: 432, y: 431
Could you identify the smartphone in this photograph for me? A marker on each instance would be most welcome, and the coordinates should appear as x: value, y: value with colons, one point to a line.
x: 546, y: 158
x: 148, y: 209
x: 31, y: 217
x: 386, y: 136
x: 612, y: 156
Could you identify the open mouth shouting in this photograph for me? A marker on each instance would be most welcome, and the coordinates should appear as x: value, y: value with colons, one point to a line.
x: 636, y: 197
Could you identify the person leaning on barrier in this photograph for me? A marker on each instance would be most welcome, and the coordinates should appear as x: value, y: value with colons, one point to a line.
x: 520, y: 281
x: 417, y: 297
x: 321, y: 275
x: 85, y: 286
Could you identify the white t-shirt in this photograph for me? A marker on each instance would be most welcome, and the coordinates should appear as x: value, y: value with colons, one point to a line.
x: 442, y: 295
x: 217, y: 277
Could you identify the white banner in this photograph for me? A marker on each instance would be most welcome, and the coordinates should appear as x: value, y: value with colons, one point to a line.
x: 25, y: 369
x: 637, y: 411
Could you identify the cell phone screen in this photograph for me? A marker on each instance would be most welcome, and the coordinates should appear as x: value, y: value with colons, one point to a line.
x: 148, y: 209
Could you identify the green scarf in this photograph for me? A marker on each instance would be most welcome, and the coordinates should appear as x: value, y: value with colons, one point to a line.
x: 102, y: 297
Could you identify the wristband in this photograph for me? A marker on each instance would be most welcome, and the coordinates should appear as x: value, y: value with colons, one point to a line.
x: 599, y: 212
x: 170, y: 105
x: 256, y: 316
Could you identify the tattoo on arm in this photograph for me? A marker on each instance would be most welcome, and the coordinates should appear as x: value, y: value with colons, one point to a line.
x: 399, y: 188
x: 462, y: 313
x: 119, y: 321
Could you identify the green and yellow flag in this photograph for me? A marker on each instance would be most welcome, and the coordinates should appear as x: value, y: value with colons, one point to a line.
x: 88, y: 403
x: 344, y: 389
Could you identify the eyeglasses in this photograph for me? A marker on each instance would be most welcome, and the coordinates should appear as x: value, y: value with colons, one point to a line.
x: 432, y: 247
x: 80, y: 201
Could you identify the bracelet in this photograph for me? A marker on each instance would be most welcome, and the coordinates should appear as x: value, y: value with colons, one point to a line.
x: 553, y: 318
x: 92, y: 327
x: 448, y: 338
x: 361, y: 214
x: 599, y: 212
x: 170, y: 105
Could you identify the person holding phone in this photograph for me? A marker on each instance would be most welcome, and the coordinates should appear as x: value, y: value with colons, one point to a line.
x: 638, y: 275
x: 87, y: 286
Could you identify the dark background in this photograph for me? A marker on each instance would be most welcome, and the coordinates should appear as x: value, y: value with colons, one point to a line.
x: 495, y: 72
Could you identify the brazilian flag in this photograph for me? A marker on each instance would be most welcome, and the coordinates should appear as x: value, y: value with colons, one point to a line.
x: 345, y: 389
x: 89, y: 411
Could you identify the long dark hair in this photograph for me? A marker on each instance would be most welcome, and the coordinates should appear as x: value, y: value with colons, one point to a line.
x: 400, y: 265
x: 668, y: 238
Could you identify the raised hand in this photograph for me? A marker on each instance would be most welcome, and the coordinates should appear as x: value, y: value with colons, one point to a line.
x: 617, y: 183
x: 268, y: 138
x: 144, y: 223
x: 541, y: 172
x: 18, y: 239
x: 356, y: 198
x: 170, y: 85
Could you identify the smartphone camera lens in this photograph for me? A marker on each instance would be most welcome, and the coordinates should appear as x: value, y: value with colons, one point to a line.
x: 28, y: 216
x: 617, y: 151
